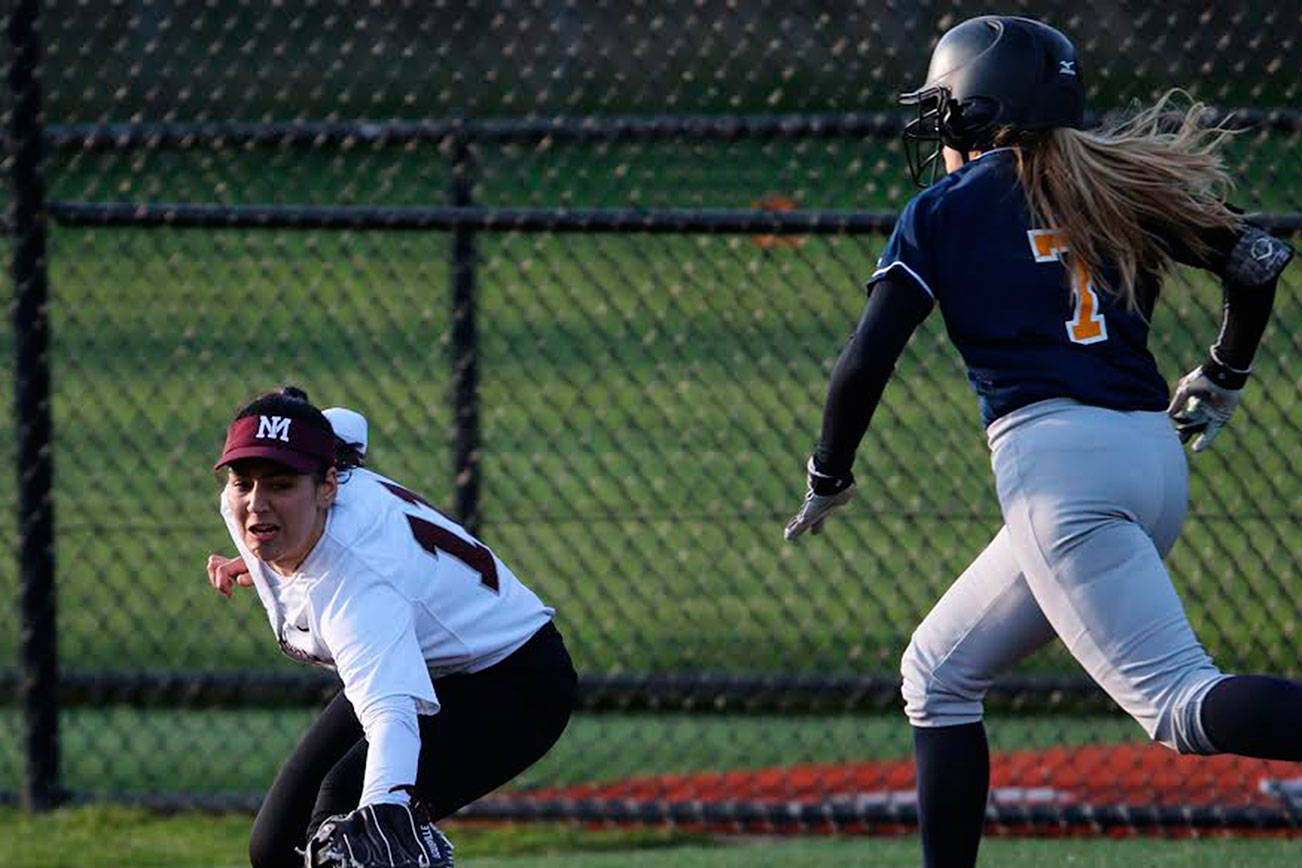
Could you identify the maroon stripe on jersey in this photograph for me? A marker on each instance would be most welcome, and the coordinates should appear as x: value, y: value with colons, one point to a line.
x: 409, y: 496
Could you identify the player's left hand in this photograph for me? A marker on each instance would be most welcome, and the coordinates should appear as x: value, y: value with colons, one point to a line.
x: 379, y: 836
x: 1200, y: 407
x: 826, y: 493
x: 224, y: 573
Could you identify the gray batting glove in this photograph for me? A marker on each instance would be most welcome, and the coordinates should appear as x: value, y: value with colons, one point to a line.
x: 1200, y: 407
x: 836, y: 491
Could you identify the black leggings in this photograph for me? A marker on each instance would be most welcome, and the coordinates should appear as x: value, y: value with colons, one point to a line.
x: 491, y: 726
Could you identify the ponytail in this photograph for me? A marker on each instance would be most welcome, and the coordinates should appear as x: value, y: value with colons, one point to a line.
x: 1117, y: 192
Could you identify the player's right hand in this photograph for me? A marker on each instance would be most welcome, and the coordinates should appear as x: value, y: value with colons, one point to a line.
x: 825, y: 494
x: 224, y: 573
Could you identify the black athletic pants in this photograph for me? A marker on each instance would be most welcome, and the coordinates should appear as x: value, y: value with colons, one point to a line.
x: 491, y: 726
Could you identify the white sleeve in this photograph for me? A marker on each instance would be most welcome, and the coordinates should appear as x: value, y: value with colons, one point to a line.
x: 370, y: 630
x: 393, y: 749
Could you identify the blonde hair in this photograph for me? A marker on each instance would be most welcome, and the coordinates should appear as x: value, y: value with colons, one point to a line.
x: 1115, y: 192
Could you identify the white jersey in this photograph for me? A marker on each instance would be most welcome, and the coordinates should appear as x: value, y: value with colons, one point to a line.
x: 389, y: 575
x: 393, y: 594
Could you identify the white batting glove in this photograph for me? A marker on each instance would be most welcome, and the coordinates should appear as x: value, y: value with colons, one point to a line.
x: 837, y: 491
x: 1200, y: 407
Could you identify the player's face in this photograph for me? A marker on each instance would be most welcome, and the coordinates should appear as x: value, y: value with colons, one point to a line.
x: 280, y: 512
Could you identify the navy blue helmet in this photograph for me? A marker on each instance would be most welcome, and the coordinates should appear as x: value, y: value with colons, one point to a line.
x: 988, y: 74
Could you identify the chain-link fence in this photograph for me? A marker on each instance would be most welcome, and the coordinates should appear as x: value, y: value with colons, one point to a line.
x: 585, y: 268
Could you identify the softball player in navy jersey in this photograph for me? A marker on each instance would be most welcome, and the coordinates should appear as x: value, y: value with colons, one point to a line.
x: 454, y: 678
x: 1043, y: 246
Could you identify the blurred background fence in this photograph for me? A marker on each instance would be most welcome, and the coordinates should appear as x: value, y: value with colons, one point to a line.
x: 585, y: 267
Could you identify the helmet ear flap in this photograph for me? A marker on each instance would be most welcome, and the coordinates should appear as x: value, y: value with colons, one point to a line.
x: 943, y: 121
x: 970, y: 125
x: 952, y: 130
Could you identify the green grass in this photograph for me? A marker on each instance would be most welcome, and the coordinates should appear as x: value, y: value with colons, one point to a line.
x: 819, y: 852
x: 107, y: 837
x: 886, y: 852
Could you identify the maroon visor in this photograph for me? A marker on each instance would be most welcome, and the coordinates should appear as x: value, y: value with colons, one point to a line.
x: 292, y: 442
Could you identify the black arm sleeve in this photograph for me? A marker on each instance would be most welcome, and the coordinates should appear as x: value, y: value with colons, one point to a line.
x: 1244, y: 313
x: 893, y: 311
x: 1249, y: 263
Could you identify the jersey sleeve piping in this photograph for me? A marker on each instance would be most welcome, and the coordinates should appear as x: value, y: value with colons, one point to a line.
x: 885, y: 269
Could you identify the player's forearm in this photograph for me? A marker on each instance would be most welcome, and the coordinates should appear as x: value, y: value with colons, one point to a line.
x: 1245, y: 314
x: 862, y: 370
x: 853, y: 393
x: 393, y: 749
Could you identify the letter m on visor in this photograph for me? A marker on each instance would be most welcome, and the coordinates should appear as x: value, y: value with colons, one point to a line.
x: 273, y: 428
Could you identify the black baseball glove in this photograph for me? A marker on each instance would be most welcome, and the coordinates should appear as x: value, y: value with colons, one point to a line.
x: 379, y: 836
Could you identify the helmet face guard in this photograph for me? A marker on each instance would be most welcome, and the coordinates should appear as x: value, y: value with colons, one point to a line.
x: 923, y: 140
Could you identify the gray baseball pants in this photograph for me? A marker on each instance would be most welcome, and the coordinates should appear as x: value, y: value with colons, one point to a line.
x: 1092, y: 500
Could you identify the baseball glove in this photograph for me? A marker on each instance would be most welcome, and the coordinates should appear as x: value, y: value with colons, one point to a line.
x: 379, y: 836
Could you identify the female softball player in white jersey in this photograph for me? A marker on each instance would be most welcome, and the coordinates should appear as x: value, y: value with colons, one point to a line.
x: 1043, y: 247
x: 454, y: 678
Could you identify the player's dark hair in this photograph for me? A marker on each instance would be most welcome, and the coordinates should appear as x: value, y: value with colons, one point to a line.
x: 290, y: 402
x: 347, y: 456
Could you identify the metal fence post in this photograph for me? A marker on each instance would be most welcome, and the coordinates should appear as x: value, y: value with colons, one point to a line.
x: 465, y: 341
x: 32, y: 427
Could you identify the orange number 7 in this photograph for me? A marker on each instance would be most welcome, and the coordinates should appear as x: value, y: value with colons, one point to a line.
x: 1087, y: 325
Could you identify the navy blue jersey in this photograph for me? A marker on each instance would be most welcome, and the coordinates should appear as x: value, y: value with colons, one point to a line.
x: 1026, y: 330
